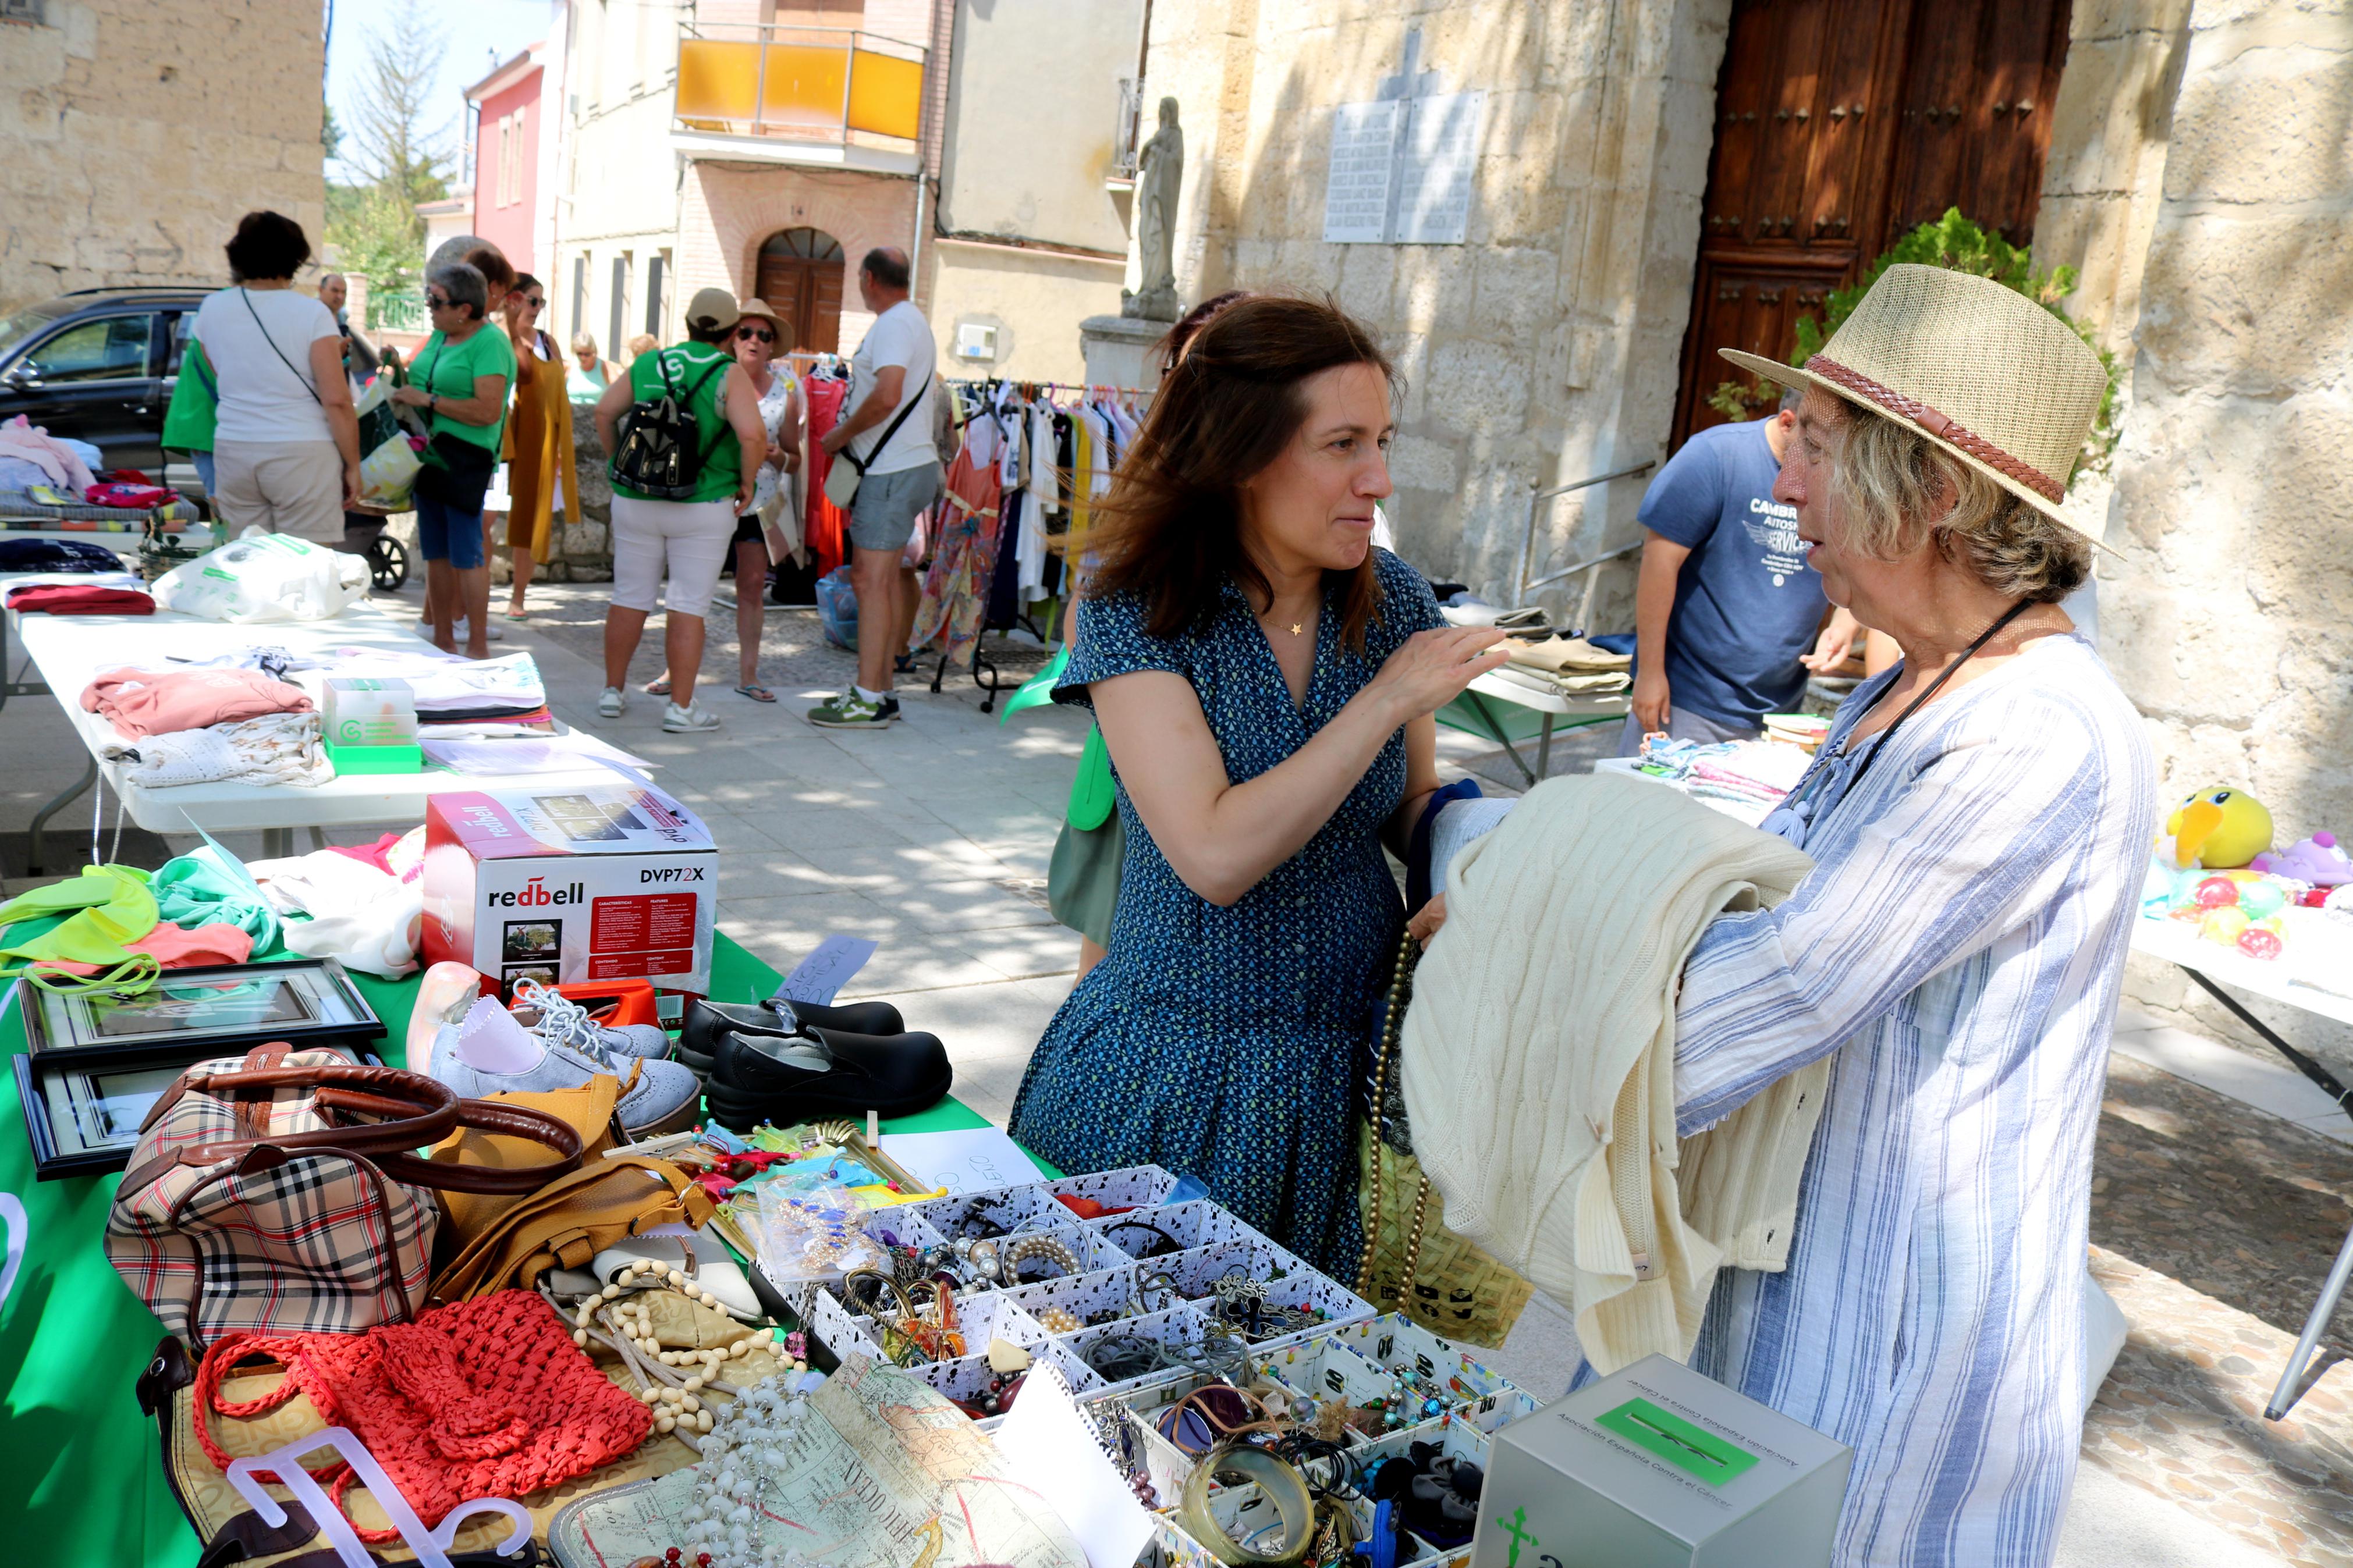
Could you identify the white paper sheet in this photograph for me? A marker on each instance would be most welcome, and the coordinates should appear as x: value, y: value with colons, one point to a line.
x: 1047, y: 1446
x: 536, y: 754
x: 964, y: 1161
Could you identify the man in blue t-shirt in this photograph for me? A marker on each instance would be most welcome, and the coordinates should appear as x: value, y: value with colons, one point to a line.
x: 1725, y: 606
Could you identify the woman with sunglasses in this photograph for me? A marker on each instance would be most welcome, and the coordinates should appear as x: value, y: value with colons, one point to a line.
x: 459, y: 377
x: 760, y: 338
x: 539, y: 439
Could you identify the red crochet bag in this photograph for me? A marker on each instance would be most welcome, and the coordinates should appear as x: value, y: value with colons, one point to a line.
x: 481, y: 1398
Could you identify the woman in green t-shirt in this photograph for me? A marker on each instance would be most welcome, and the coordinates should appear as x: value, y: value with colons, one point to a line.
x: 688, y: 537
x: 459, y: 377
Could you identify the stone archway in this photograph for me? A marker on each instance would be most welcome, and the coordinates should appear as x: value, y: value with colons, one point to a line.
x: 800, y: 272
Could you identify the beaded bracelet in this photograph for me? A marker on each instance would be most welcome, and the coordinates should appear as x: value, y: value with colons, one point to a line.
x: 1049, y: 1247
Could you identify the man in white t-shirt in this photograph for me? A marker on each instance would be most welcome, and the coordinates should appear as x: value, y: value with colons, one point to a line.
x: 887, y: 433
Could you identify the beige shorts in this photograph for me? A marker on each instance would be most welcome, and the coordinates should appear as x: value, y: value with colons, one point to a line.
x: 285, y: 487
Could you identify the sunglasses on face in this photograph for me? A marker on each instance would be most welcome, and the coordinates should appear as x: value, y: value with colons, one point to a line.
x: 754, y: 335
x: 437, y: 302
x: 529, y: 303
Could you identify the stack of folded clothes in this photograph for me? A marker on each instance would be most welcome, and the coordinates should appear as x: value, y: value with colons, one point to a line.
x: 208, y: 726
x: 1567, y: 666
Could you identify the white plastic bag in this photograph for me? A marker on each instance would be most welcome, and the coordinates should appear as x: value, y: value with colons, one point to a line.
x: 264, y: 577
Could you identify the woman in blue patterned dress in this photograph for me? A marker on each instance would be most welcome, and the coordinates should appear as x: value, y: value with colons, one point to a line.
x: 1264, y: 678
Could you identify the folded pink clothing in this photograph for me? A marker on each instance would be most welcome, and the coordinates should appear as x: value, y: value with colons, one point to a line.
x: 145, y: 703
x: 178, y: 947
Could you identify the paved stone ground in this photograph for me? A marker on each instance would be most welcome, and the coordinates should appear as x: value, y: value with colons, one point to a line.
x: 2213, y: 1220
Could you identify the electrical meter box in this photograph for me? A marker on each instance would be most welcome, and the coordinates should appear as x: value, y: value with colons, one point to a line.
x: 1656, y: 1467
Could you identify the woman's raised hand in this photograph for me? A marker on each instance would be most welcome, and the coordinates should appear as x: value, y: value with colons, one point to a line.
x: 1433, y: 666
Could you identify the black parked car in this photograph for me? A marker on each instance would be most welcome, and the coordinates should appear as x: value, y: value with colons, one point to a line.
x: 99, y: 365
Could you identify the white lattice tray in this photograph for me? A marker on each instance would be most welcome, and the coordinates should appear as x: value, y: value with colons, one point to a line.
x: 1393, y: 1340
x: 1201, y: 1223
x: 1084, y: 1296
x: 1135, y: 1186
x: 1027, y: 1206
x: 1181, y: 1329
x: 979, y: 1318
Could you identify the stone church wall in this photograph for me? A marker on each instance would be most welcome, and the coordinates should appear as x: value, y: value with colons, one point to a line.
x: 1543, y: 349
x: 133, y: 133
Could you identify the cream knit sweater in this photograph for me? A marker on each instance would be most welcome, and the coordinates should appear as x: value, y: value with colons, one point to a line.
x: 1538, y: 1061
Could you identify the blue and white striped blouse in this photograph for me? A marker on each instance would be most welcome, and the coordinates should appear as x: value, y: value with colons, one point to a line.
x: 1959, y: 946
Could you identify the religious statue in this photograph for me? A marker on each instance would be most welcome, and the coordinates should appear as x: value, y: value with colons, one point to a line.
x: 1159, y: 169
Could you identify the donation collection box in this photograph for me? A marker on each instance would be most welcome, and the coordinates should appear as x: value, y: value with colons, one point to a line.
x: 1656, y: 1467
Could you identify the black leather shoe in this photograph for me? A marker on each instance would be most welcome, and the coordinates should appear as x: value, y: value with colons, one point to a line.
x: 705, y: 1022
x: 784, y: 1079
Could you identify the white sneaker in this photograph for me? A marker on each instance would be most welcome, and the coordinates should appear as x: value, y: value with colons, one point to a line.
x: 496, y: 633
x: 680, y: 720
x: 611, y: 703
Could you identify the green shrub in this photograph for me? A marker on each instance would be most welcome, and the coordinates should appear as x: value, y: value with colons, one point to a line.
x: 1951, y: 241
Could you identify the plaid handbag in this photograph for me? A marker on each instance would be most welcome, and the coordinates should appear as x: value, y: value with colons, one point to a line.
x: 281, y: 1193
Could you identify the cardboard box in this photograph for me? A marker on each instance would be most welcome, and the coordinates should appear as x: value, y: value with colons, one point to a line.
x: 1657, y: 1466
x: 610, y: 881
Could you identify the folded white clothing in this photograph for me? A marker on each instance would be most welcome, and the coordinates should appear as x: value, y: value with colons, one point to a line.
x: 445, y: 682
x: 274, y: 749
x: 357, y: 914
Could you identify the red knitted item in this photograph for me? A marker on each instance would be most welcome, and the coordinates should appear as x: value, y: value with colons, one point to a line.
x: 481, y: 1398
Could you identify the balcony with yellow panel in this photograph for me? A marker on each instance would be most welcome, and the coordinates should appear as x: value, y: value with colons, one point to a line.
x: 832, y: 97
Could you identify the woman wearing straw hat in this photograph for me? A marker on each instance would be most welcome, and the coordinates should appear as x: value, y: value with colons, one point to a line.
x: 1979, y: 819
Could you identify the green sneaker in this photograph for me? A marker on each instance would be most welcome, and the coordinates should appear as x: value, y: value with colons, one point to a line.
x: 851, y: 712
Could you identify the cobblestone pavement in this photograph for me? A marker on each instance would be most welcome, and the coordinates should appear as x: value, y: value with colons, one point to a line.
x: 2213, y: 1226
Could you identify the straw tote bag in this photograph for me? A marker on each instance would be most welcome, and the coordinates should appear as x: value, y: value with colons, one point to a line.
x: 1412, y: 1263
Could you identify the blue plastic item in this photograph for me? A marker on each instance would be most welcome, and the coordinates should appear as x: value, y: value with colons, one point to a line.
x: 837, y: 608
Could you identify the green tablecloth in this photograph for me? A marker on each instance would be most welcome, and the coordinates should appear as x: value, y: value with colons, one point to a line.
x: 80, y: 1482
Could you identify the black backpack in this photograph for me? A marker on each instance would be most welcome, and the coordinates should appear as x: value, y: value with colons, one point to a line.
x: 659, y: 457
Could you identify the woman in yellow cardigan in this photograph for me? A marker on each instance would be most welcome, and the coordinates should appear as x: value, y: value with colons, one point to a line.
x: 538, y: 440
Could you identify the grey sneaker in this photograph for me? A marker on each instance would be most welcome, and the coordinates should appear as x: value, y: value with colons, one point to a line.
x: 851, y: 712
x: 657, y: 1097
x: 694, y: 721
x: 560, y: 1021
x: 611, y: 704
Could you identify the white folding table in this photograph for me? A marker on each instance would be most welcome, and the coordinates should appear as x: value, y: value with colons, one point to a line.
x: 2213, y: 966
x: 1475, y: 714
x: 70, y: 650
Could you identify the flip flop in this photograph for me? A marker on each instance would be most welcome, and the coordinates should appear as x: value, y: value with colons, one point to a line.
x: 755, y: 691
x: 657, y: 687
x: 516, y: 615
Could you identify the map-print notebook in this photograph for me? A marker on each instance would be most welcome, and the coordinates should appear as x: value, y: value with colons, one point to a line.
x: 884, y: 1473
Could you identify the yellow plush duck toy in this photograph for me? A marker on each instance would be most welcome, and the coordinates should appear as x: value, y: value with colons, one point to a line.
x: 2219, y: 828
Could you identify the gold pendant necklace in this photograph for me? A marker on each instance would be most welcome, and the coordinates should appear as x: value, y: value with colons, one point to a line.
x: 1296, y: 628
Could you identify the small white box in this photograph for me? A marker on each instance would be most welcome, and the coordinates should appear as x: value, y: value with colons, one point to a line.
x: 609, y: 881
x: 363, y: 712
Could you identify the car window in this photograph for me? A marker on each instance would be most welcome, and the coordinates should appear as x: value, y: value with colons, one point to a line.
x: 184, y: 326
x: 16, y: 329
x: 112, y: 349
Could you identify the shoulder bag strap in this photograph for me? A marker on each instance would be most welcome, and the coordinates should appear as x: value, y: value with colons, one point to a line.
x: 514, y: 1122
x: 888, y: 430
x: 247, y: 296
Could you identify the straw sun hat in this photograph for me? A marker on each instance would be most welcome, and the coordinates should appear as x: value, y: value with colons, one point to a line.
x: 1982, y: 370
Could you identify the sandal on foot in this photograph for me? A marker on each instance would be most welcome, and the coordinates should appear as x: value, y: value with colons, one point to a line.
x: 657, y: 687
x: 755, y: 691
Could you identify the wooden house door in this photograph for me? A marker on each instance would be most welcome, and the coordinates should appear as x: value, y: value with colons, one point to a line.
x: 1840, y: 125
x: 800, y: 278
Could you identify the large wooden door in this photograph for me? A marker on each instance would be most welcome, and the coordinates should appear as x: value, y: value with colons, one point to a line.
x: 800, y: 277
x: 1840, y: 125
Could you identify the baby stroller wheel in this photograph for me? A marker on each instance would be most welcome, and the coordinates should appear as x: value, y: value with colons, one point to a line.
x: 387, y: 560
